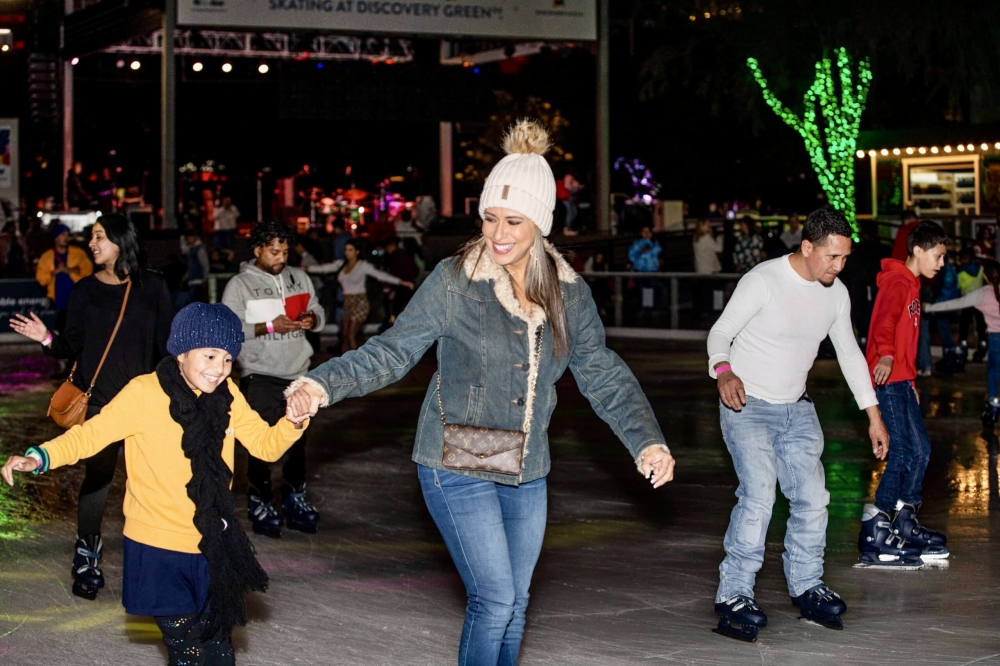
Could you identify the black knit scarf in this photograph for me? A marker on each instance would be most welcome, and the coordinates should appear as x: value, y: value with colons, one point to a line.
x: 231, y: 557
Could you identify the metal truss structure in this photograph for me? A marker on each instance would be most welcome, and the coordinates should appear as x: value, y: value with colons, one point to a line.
x: 467, y: 54
x: 288, y: 45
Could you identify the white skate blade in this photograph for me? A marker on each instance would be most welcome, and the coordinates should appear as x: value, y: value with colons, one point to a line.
x: 940, y: 563
x: 889, y: 567
x: 890, y: 563
x: 935, y: 556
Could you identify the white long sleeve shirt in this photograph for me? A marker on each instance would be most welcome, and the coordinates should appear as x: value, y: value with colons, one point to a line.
x: 772, y: 328
x: 353, y: 282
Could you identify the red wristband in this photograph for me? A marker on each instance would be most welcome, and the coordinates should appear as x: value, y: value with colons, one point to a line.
x: 722, y: 368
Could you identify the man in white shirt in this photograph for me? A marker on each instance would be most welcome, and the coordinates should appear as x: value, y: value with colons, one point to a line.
x: 760, y: 351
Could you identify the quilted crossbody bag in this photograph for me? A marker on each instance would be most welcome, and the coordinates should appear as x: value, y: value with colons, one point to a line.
x: 474, y: 448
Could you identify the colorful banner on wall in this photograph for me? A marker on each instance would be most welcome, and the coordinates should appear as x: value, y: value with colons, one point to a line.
x: 557, y: 20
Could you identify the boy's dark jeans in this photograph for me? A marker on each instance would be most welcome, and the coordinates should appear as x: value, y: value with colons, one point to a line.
x: 909, y: 447
x: 266, y: 395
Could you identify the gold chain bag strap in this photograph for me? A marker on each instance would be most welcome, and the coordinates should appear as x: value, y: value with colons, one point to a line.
x: 68, y: 406
x: 474, y: 448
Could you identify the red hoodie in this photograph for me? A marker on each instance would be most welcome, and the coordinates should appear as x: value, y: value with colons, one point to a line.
x: 895, y: 326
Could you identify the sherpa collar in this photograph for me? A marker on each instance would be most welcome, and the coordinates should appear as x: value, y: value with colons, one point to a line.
x: 488, y: 270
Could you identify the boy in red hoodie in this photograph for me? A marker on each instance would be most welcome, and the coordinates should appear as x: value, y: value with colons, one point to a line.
x: 901, y: 542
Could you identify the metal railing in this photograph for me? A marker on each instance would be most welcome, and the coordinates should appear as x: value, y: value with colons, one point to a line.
x: 673, y: 280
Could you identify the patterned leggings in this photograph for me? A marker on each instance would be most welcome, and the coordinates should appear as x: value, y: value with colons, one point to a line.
x: 185, y: 647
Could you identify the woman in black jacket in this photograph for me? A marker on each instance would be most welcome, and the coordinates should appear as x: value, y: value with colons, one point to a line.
x: 93, y: 309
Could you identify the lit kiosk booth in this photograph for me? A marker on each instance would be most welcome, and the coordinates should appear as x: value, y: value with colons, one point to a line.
x: 952, y: 177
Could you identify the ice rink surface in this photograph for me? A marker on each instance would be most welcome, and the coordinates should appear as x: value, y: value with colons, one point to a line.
x: 627, y: 574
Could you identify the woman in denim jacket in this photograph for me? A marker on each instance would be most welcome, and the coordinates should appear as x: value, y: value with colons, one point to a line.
x: 487, y: 309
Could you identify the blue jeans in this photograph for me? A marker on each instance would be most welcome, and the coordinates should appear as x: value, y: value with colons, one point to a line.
x: 909, y: 447
x: 993, y: 366
x: 494, y: 535
x: 924, y: 346
x: 770, y: 444
x: 943, y: 322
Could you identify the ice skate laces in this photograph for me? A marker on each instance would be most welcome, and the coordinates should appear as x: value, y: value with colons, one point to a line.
x: 301, y: 503
x: 739, y: 602
x: 265, y: 511
x: 91, y: 561
x: 823, y: 593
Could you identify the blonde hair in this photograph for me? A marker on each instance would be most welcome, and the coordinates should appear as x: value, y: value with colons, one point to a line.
x: 526, y: 136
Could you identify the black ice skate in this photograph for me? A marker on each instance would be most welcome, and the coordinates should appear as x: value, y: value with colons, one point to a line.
x: 821, y: 605
x: 989, y: 417
x: 299, y: 513
x: 882, y: 548
x: 743, y: 612
x: 88, y: 579
x: 905, y: 524
x: 981, y: 351
x: 264, y: 517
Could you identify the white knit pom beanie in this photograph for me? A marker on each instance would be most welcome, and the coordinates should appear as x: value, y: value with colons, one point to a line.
x: 523, y: 180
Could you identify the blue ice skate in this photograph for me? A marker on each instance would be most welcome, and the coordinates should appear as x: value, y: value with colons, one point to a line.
x: 743, y: 612
x: 264, y: 517
x: 88, y: 579
x: 881, y: 547
x: 821, y: 605
x: 905, y: 524
x: 299, y: 513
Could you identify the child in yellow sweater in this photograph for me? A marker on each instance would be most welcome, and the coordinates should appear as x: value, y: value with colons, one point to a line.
x: 187, y: 561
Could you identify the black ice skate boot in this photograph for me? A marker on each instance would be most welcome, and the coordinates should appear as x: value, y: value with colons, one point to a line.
x: 743, y: 612
x: 882, y: 548
x: 980, y: 355
x: 905, y: 524
x: 88, y: 579
x: 264, y: 516
x: 821, y: 605
x: 989, y: 417
x: 299, y: 514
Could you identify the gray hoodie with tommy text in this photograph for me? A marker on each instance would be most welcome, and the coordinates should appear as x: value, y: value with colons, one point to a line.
x: 258, y: 297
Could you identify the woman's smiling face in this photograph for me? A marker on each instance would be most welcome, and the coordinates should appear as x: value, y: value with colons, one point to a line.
x: 509, y: 234
x: 105, y: 252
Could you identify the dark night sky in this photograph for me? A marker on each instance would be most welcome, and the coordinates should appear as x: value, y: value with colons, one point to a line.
x: 682, y: 99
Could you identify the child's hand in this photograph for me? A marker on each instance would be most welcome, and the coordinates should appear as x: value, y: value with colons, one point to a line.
x: 303, y: 403
x: 17, y: 464
x: 882, y: 370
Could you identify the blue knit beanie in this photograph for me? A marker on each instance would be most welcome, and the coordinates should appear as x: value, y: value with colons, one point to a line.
x: 200, y: 325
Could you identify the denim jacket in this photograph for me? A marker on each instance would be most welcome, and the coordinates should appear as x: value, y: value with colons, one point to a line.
x: 486, y: 360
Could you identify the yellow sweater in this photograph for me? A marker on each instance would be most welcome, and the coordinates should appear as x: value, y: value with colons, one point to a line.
x: 158, y: 511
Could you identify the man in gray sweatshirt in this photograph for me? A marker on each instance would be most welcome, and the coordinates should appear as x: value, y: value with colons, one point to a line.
x: 277, y: 304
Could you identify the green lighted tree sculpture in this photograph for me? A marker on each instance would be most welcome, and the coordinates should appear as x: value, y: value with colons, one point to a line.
x: 830, y: 131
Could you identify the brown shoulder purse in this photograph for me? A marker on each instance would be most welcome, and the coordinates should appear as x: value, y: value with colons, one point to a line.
x: 478, y: 449
x: 68, y: 406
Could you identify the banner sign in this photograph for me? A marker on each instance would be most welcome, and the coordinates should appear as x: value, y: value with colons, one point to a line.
x: 22, y: 297
x: 558, y: 20
x: 8, y: 161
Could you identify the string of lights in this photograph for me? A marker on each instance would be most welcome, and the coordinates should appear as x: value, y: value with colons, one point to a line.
x: 923, y: 150
x: 831, y: 147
